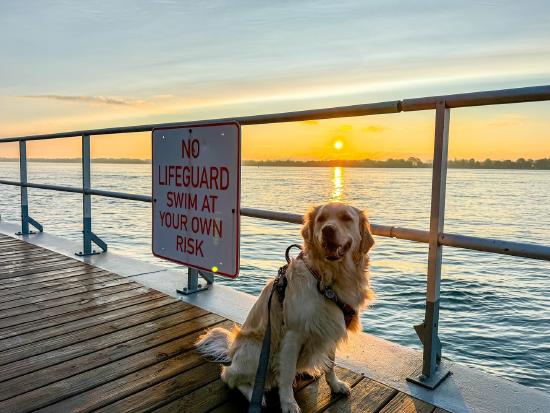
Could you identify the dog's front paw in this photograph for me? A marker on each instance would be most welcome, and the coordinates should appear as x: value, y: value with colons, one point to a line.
x: 290, y: 406
x: 340, y: 387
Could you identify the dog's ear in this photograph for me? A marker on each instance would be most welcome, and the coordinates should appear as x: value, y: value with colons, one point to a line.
x: 367, y: 241
x: 309, y: 223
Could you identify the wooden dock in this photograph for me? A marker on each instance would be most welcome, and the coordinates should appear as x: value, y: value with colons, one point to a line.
x: 76, y: 338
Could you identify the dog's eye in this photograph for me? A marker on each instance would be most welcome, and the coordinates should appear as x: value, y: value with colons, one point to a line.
x: 322, y: 218
x: 346, y: 217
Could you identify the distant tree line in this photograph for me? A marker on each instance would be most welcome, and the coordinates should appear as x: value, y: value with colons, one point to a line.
x: 413, y: 162
x: 364, y: 163
x: 521, y: 163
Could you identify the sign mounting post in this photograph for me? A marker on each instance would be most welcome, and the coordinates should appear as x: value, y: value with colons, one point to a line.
x: 196, y: 197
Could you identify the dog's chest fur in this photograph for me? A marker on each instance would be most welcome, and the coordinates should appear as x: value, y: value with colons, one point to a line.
x: 319, y: 321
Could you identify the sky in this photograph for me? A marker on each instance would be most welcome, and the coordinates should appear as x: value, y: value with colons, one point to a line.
x: 72, y: 65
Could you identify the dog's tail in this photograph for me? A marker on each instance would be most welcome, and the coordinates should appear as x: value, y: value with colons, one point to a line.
x: 215, y: 344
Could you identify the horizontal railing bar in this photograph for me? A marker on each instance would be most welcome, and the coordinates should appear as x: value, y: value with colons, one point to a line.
x: 43, y: 186
x: 493, y: 97
x: 73, y: 189
x: 120, y: 195
x: 518, y: 249
x: 313, y: 114
x: 273, y: 215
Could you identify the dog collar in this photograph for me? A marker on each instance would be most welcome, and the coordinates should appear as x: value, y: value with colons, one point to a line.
x: 325, y: 291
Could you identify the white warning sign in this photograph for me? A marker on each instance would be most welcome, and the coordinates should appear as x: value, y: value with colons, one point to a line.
x: 196, y: 196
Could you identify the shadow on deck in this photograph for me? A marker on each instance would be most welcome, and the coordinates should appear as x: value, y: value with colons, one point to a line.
x: 76, y: 338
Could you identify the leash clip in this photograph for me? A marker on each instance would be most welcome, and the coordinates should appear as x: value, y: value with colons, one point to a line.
x: 287, y: 252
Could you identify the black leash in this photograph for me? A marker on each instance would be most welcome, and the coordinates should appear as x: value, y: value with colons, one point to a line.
x: 279, y: 285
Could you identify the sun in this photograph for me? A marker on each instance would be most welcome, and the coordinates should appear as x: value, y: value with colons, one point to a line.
x: 338, y: 145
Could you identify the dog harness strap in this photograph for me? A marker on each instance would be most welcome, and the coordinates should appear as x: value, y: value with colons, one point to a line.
x: 261, y: 374
x: 329, y: 293
x: 279, y: 285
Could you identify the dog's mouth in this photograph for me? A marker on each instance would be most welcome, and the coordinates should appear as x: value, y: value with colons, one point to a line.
x: 335, y: 252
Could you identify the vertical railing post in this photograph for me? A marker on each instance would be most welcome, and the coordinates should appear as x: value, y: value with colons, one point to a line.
x: 26, y: 220
x: 433, y: 372
x: 87, y: 235
x: 86, y: 198
x: 24, y: 192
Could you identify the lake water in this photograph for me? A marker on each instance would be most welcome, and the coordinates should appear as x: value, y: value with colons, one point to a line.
x: 495, y: 310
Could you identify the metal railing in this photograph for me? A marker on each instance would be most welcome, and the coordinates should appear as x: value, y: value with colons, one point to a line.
x: 432, y: 371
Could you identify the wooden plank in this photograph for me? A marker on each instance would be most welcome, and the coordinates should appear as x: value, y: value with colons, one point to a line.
x: 13, y: 248
x: 45, y: 268
x: 317, y: 396
x: 40, y: 306
x: 10, y: 257
x: 197, y: 379
x: 55, y: 321
x: 15, y: 241
x: 368, y: 396
x: 200, y: 400
x: 55, y: 311
x: 48, y: 287
x: 26, y: 249
x: 155, y: 342
x: 238, y: 403
x: 10, y: 240
x: 20, y: 360
x: 403, y: 403
x: 52, y: 295
x: 34, y: 263
x: 52, y: 275
x: 109, y: 377
x: 33, y: 338
x: 110, y: 392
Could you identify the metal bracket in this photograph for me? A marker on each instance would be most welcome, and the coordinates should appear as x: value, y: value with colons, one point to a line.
x: 34, y: 223
x: 96, y: 240
x: 193, y: 285
x: 432, y: 372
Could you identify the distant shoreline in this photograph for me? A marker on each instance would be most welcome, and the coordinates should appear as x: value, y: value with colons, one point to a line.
x: 521, y: 163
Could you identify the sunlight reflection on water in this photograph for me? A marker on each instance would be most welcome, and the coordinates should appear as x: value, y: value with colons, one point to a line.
x: 338, y: 183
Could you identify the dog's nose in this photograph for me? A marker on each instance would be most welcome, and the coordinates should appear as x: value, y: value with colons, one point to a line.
x: 329, y: 231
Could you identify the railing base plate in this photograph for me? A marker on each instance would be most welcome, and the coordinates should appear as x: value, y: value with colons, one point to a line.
x: 30, y: 233
x: 187, y: 291
x: 430, y: 382
x: 82, y: 254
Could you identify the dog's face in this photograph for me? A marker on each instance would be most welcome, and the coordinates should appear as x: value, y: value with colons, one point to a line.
x: 334, y: 230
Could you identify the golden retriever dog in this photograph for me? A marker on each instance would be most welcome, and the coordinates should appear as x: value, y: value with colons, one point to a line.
x: 307, y: 327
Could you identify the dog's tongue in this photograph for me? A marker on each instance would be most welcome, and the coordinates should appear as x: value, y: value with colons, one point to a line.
x: 335, y: 252
x: 332, y: 254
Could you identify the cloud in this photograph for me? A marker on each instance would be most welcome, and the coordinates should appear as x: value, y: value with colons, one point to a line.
x: 345, y: 127
x: 310, y: 122
x: 373, y: 129
x: 105, y: 100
